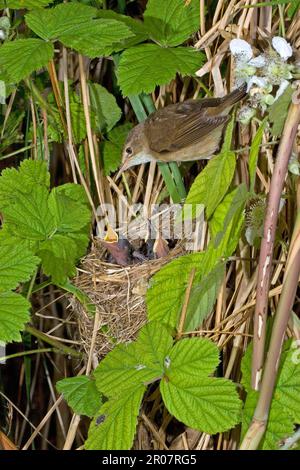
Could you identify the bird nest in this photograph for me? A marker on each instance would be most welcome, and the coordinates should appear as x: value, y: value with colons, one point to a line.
x: 118, y: 293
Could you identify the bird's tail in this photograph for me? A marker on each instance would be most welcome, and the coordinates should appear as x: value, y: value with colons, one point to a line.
x: 235, y: 96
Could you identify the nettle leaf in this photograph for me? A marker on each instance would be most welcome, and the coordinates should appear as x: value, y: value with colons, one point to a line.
x: 209, y: 404
x: 167, y: 288
x: 203, y: 297
x: 19, y: 58
x: 137, y: 28
x: 112, y: 148
x: 114, y: 426
x: 254, y: 151
x: 21, y: 4
x: 81, y: 394
x: 16, y: 265
x: 58, y: 255
x: 14, y: 313
x: 217, y: 175
x: 64, y: 18
x: 131, y: 365
x: 143, y: 67
x: 107, y: 112
x: 172, y: 22
x: 278, y: 111
x: 69, y: 213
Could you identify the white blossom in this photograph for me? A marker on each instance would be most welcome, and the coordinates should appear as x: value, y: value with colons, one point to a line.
x: 2, y: 35
x: 282, y: 87
x: 258, y: 62
x: 282, y: 47
x: 241, y: 50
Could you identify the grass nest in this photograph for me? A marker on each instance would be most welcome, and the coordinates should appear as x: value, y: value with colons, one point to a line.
x: 118, y: 294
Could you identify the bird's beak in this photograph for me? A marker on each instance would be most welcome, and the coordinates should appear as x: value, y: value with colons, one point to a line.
x: 123, y: 168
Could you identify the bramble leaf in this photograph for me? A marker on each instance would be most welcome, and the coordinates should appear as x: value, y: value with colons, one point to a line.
x: 81, y: 394
x: 107, y: 112
x: 112, y: 148
x: 19, y: 58
x: 16, y: 265
x: 14, y: 313
x: 114, y: 426
x: 143, y: 67
x: 171, y: 22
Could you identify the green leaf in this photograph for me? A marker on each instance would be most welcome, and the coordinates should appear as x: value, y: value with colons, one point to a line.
x: 288, y: 385
x: 19, y: 58
x: 81, y: 394
x: 112, y: 149
x: 217, y: 175
x: 114, y: 426
x: 69, y: 214
x: 143, y: 67
x: 191, y: 356
x: 137, y: 28
x: 58, y: 255
x: 21, y: 4
x: 203, y: 297
x: 172, y: 22
x: 129, y: 365
x: 254, y: 151
x: 278, y: 111
x: 96, y: 38
x: 29, y: 216
x: 209, y: 404
x: 106, y: 110
x: 62, y: 19
x: 16, y: 265
x: 167, y: 288
x: 14, y: 313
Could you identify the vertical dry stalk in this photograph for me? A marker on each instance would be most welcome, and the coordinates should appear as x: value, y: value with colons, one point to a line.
x: 267, y: 244
x: 260, y: 419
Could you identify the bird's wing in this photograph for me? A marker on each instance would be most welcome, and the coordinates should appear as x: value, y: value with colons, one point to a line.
x: 177, y: 126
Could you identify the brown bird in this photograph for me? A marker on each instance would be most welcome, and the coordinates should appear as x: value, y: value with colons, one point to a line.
x: 180, y: 132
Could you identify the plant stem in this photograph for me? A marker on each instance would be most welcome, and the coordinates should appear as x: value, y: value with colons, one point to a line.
x: 290, y: 283
x: 56, y: 344
x: 26, y: 353
x: 267, y: 243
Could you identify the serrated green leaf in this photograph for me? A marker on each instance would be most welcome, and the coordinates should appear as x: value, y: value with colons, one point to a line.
x: 96, y: 38
x: 172, y: 22
x: 287, y: 389
x: 112, y: 149
x: 203, y: 297
x: 21, y: 4
x: 143, y: 67
x: 210, y: 405
x: 217, y: 175
x: 192, y: 356
x: 167, y: 287
x: 254, y: 151
x: 14, y: 313
x: 29, y: 216
x: 19, y: 58
x: 81, y: 394
x: 114, y: 426
x: 16, y: 265
x: 69, y: 214
x: 62, y: 19
x: 107, y: 112
x: 231, y: 206
x: 34, y: 172
x: 130, y: 365
x: 139, y: 32
x: 58, y: 255
x: 278, y: 111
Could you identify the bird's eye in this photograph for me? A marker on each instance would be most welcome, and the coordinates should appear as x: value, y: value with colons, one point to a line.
x: 128, y: 150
